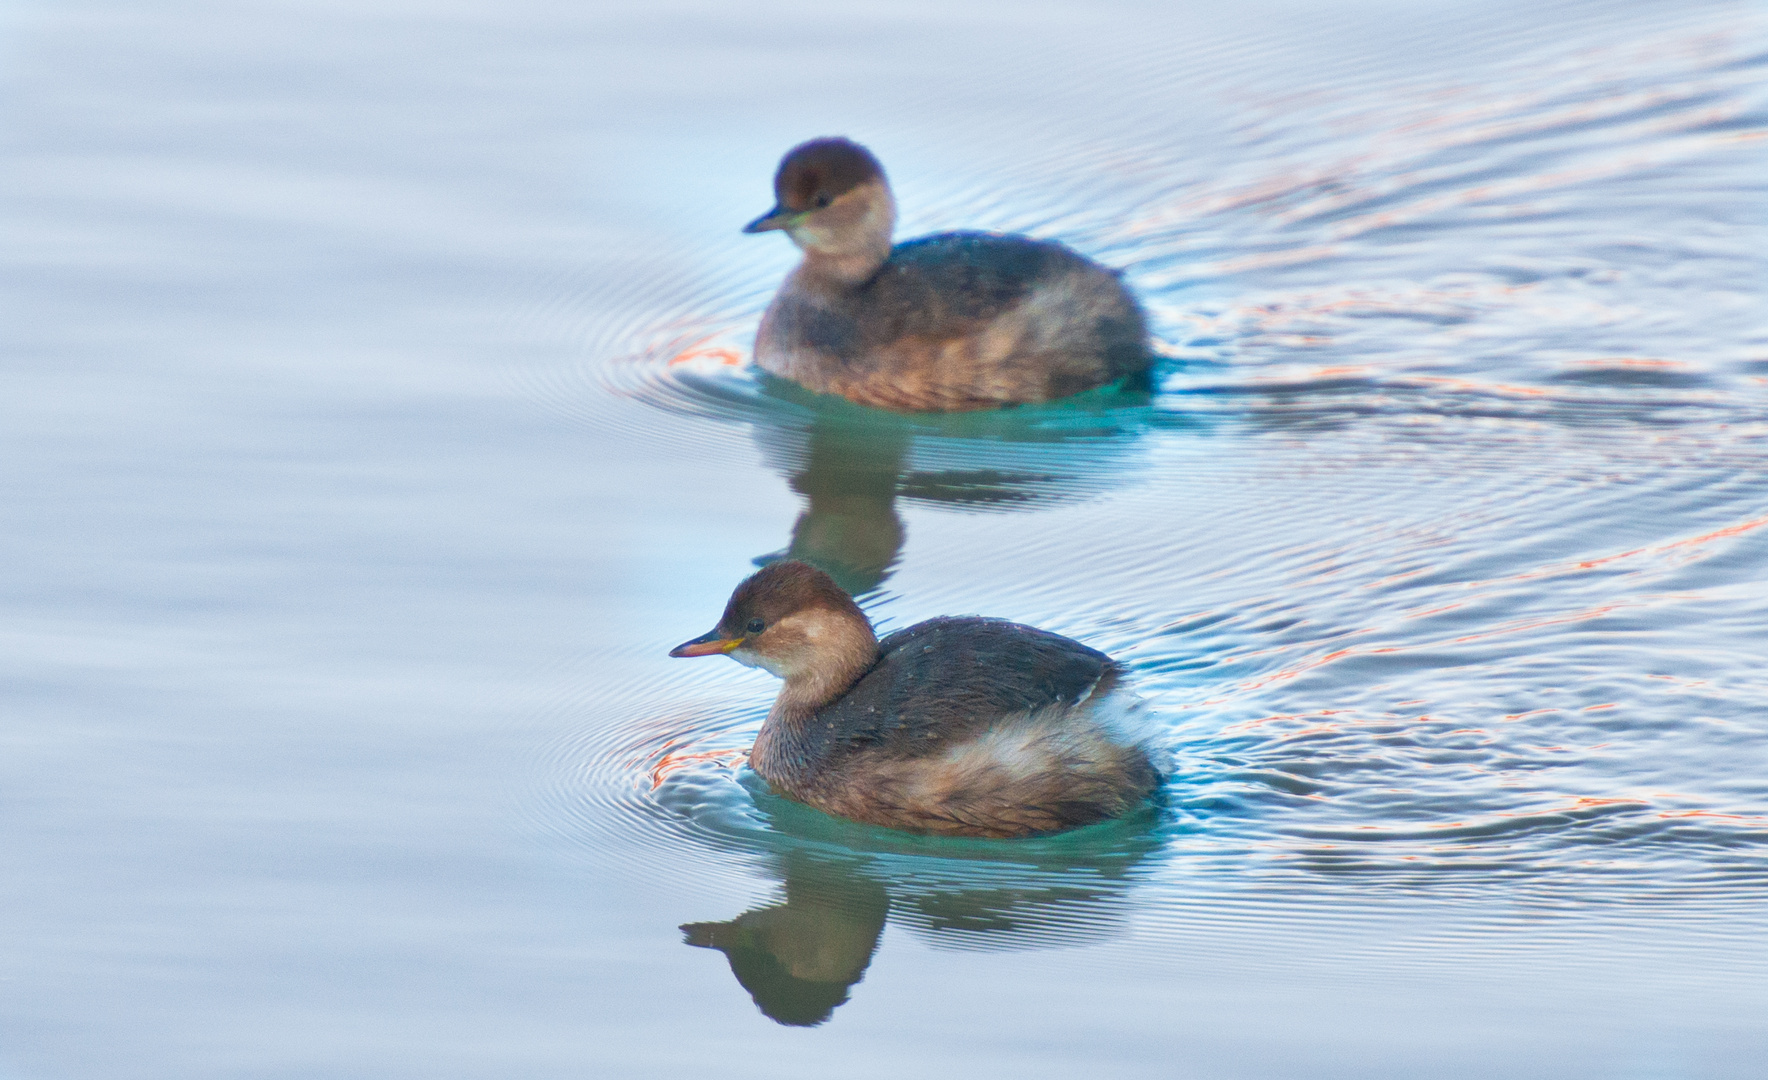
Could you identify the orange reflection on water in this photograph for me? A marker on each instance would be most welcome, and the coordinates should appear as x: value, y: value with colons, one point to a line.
x: 1693, y: 542
x: 1475, y: 387
x: 1638, y: 363
x: 1591, y: 800
x: 1714, y: 814
x: 1303, y: 668
x: 1582, y: 802
x: 674, y: 336
x: 1243, y: 726
x: 1676, y: 545
x: 675, y: 760
x: 698, y: 351
x: 1536, y: 624
x: 1512, y: 628
x: 1438, y: 610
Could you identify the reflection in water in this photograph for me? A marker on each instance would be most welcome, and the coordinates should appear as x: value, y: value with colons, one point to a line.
x: 1451, y: 612
x: 852, y: 465
x: 799, y: 958
x: 850, y: 528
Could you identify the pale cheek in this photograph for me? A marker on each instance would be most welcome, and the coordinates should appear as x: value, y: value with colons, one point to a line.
x: 809, y: 236
x: 879, y: 217
x: 848, y: 223
x: 751, y: 659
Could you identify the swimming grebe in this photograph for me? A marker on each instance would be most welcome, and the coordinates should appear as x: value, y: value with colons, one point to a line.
x: 958, y: 320
x: 958, y: 726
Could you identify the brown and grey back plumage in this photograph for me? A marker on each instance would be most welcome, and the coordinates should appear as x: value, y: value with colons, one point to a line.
x: 982, y: 669
x: 959, y: 320
x: 961, y: 726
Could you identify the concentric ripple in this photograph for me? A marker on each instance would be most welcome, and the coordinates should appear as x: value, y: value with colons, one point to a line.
x: 1439, y: 547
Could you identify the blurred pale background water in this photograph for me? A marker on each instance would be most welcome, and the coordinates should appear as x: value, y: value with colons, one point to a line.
x: 374, y: 417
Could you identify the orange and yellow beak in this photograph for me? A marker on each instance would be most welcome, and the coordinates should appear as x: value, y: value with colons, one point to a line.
x: 706, y: 645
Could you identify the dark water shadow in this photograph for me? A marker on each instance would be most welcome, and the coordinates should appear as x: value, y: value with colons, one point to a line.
x: 854, y: 466
x: 842, y: 883
x: 799, y: 958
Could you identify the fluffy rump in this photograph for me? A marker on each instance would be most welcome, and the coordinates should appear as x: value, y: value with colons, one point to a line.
x: 1044, y: 770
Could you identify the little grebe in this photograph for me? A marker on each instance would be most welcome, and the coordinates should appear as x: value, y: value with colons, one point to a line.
x: 958, y: 320
x: 957, y: 726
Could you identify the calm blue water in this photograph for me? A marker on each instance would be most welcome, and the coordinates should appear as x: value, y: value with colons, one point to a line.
x: 375, y: 416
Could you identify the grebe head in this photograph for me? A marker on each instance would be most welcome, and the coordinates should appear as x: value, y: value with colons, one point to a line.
x: 833, y: 201
x: 793, y: 620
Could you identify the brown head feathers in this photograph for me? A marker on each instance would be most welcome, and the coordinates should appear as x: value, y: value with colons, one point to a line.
x: 782, y: 589
x: 816, y: 173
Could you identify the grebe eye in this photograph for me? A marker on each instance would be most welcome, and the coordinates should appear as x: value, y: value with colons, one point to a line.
x: 755, y: 626
x: 822, y: 201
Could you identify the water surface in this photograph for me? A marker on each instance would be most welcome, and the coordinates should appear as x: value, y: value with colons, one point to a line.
x: 378, y: 414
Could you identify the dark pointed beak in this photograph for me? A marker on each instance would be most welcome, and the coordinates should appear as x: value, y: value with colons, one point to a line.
x: 777, y: 218
x: 709, y: 644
